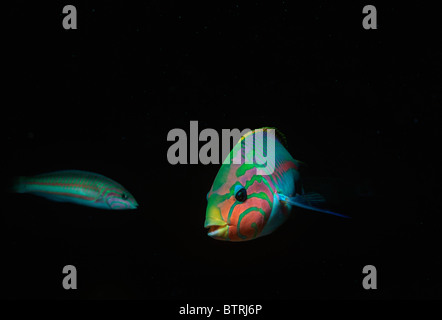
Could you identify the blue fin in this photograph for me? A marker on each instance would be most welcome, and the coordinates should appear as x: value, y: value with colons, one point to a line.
x: 309, y: 201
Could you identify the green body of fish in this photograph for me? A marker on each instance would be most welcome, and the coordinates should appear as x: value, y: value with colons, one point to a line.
x: 80, y: 187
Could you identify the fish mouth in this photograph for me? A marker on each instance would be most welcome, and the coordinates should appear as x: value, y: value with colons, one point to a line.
x: 218, y: 230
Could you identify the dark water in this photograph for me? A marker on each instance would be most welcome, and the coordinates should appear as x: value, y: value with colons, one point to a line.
x: 361, y: 107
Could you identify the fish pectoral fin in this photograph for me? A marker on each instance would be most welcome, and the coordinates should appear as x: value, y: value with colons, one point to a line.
x: 308, y: 201
x: 99, y: 199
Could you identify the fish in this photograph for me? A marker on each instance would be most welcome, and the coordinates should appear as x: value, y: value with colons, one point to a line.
x: 245, y: 203
x: 79, y: 187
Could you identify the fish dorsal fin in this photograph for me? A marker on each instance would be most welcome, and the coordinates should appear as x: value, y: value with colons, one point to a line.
x: 278, y: 134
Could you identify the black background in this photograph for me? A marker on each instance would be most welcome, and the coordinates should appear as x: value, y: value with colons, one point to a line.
x: 356, y: 105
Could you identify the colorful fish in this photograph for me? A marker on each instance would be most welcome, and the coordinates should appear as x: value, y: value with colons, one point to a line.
x: 244, y: 205
x: 80, y: 187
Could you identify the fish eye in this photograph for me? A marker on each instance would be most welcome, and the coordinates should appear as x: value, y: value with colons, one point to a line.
x: 124, y: 196
x: 241, y: 195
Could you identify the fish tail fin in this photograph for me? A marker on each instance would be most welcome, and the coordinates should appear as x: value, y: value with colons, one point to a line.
x: 17, y: 185
x: 310, y: 201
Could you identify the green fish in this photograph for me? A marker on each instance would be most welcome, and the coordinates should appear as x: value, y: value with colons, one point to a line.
x: 244, y: 204
x: 79, y: 187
